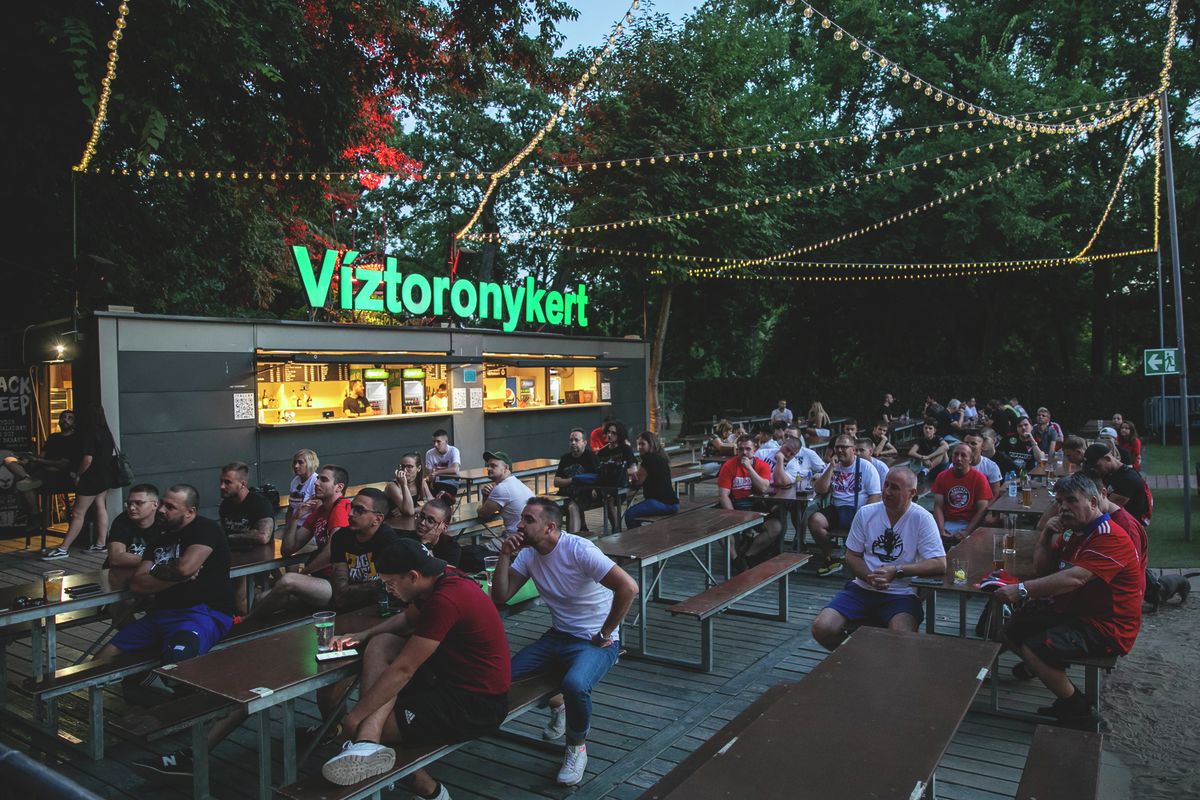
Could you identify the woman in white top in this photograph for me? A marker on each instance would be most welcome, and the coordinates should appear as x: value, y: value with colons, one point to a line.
x: 305, y: 464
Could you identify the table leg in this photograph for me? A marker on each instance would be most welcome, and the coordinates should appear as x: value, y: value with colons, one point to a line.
x: 200, y: 762
x: 931, y: 610
x: 289, y: 743
x: 264, y: 754
x: 642, y: 601
x: 962, y: 616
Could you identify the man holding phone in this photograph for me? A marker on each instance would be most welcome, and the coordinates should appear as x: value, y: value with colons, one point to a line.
x: 588, y: 596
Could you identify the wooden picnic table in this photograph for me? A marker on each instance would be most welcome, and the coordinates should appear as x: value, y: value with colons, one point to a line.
x: 1003, y: 504
x: 978, y: 552
x: 806, y: 739
x: 688, y: 475
x: 260, y: 675
x: 655, y: 544
x: 530, y: 468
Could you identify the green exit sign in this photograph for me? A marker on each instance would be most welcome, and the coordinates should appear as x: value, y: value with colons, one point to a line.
x: 1164, y: 361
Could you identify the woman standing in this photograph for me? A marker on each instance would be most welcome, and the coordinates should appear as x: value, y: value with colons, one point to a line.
x: 95, y: 471
x: 405, y: 491
x: 654, y: 478
x: 305, y: 465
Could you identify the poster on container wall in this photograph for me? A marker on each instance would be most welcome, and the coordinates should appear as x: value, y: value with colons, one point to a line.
x: 16, y: 436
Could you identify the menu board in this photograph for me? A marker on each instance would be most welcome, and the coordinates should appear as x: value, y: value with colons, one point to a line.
x: 303, y: 373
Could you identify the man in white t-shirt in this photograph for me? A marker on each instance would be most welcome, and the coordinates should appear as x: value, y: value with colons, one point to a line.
x: 588, y: 596
x: 782, y: 413
x: 889, y: 543
x: 850, y: 483
x: 989, y: 468
x: 866, y: 451
x: 442, y: 465
x: 506, y: 495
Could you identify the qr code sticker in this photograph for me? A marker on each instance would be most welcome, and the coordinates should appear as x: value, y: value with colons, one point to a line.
x: 243, y: 405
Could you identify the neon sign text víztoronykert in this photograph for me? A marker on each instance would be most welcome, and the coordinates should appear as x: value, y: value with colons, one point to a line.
x: 397, y: 293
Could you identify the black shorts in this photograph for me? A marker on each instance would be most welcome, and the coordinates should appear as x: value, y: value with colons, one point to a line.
x: 441, y: 714
x: 1056, y: 638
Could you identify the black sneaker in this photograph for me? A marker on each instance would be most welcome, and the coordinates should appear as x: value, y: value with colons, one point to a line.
x: 1074, y: 706
x: 177, y: 764
x: 306, y: 736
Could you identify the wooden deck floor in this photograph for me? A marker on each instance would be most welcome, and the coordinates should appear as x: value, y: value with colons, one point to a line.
x: 647, y: 717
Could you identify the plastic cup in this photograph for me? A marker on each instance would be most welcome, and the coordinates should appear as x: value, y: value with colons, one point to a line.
x: 959, y: 567
x: 997, y: 549
x: 323, y: 623
x: 489, y: 568
x: 52, y: 585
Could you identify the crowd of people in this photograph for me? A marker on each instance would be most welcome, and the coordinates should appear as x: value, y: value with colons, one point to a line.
x: 439, y: 670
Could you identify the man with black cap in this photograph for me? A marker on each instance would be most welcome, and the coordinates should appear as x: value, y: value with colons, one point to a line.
x: 588, y: 596
x: 450, y: 633
x: 1126, y: 487
x: 506, y: 495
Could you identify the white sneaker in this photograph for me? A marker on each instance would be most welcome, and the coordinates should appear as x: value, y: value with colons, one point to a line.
x: 573, y: 766
x: 442, y: 794
x: 357, y: 762
x: 557, y: 725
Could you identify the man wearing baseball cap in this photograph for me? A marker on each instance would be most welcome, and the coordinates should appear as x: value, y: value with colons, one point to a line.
x: 1125, y: 486
x: 1109, y: 434
x: 451, y: 632
x: 506, y: 495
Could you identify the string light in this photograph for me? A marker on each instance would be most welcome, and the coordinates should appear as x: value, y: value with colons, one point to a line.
x: 110, y: 75
x: 1133, y: 145
x: 939, y: 94
x: 572, y: 98
x: 1158, y: 138
x: 920, y: 271
x: 939, y: 200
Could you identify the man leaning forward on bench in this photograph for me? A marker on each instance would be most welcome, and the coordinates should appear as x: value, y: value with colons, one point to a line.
x: 437, y: 674
x: 889, y: 543
x: 588, y: 596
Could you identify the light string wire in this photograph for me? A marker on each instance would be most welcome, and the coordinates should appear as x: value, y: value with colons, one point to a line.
x: 829, y: 186
x: 1134, y: 143
x: 110, y: 75
x: 939, y: 94
x: 573, y: 94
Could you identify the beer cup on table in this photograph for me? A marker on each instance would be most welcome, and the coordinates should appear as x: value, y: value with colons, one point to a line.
x: 489, y: 569
x: 52, y: 585
x: 959, y: 567
x: 997, y: 550
x: 323, y: 624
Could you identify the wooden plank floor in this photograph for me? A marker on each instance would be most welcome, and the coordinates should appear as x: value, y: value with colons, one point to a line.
x: 647, y: 717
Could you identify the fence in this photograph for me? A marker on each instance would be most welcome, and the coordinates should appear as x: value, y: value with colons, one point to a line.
x: 1160, y: 413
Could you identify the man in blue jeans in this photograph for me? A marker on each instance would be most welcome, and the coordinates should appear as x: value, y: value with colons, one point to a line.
x: 588, y: 596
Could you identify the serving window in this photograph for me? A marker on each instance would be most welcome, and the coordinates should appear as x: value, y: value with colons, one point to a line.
x: 290, y: 392
x: 516, y: 387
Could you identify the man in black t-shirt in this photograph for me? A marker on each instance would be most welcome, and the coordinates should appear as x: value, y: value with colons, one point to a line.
x: 1019, y: 450
x: 356, y: 403
x: 1126, y: 487
x: 578, y: 460
x: 353, y: 549
x: 246, y: 518
x: 60, y: 456
x: 136, y: 529
x: 187, y: 575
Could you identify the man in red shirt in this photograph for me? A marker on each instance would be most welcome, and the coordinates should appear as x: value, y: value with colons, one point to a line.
x: 326, y: 511
x: 739, y: 478
x: 451, y: 626
x: 961, y: 496
x: 1093, y: 579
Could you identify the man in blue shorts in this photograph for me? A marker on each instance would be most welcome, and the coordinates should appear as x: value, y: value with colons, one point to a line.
x: 850, y: 483
x: 889, y: 543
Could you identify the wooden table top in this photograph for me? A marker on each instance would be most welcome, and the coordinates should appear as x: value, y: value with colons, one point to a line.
x: 676, y: 532
x: 783, y: 748
x: 1003, y: 504
x: 977, y: 551
x: 272, y: 662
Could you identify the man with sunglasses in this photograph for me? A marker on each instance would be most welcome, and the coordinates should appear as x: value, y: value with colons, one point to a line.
x: 322, y: 514
x: 354, y: 549
x: 889, y: 543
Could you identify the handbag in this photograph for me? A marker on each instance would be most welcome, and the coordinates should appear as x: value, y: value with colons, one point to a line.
x: 123, y: 474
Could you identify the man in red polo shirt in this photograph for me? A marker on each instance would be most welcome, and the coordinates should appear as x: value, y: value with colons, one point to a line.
x: 739, y: 478
x: 1092, y: 576
x: 961, y: 496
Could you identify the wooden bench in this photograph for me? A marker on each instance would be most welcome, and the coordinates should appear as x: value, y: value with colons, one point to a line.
x: 95, y: 675
x: 1063, y: 764
x: 524, y: 695
x: 718, y: 599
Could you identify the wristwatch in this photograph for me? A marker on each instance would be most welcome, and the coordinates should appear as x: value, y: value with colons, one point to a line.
x: 899, y: 573
x: 1022, y: 592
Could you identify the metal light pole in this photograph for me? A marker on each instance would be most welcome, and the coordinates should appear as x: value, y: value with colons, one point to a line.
x: 1179, y: 330
x: 1162, y: 339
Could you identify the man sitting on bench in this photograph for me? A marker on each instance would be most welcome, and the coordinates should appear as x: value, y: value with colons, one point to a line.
x: 850, y: 483
x: 889, y: 543
x: 450, y: 632
x: 588, y: 596
x: 1092, y: 581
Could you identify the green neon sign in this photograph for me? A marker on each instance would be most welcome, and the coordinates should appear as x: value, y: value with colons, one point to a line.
x: 375, y: 374
x: 416, y: 294
x: 412, y: 372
